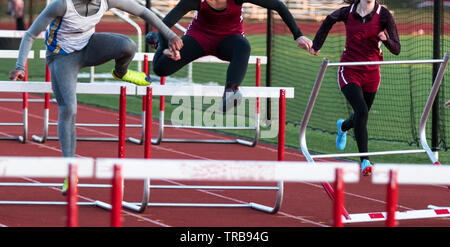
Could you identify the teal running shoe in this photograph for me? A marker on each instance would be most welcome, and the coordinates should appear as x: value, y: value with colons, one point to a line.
x: 366, y: 168
x: 341, y: 139
x: 231, y: 98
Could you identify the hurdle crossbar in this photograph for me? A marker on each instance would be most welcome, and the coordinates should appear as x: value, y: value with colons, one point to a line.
x: 422, y: 127
x: 394, y: 174
x: 198, y: 90
x: 213, y: 91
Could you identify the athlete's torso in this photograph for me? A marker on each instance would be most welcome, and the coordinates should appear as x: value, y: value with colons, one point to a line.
x: 362, y: 42
x: 72, y: 31
x: 223, y: 22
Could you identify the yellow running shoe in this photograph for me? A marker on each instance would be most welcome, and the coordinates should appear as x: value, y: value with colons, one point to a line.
x: 65, y: 186
x: 135, y: 77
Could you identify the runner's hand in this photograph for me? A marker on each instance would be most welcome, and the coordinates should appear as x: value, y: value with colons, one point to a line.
x: 382, y: 36
x: 175, y: 43
x: 173, y: 54
x: 447, y: 103
x: 304, y: 42
x: 17, y: 75
x: 314, y: 52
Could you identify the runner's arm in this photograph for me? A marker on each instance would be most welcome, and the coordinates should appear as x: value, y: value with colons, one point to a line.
x: 392, y: 42
x: 54, y: 9
x: 138, y: 10
x: 181, y: 9
x: 281, y: 9
x: 321, y: 35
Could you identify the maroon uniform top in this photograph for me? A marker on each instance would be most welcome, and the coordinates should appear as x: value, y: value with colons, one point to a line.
x: 362, y: 42
x: 226, y: 22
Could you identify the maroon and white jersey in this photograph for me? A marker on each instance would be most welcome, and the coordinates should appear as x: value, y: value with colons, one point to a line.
x: 362, y: 42
x: 222, y: 23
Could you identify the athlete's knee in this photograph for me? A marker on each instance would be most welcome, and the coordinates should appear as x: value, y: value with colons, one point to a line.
x: 243, y: 46
x: 362, y: 114
x: 67, y: 112
x: 161, y: 69
x: 128, y: 47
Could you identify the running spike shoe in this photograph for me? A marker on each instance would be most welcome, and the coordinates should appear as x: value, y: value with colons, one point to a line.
x: 152, y: 39
x: 366, y: 168
x: 341, y: 139
x: 65, y: 186
x: 232, y: 97
x: 135, y: 77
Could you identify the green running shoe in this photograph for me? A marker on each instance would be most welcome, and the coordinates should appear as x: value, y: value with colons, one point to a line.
x: 65, y: 186
x: 135, y: 77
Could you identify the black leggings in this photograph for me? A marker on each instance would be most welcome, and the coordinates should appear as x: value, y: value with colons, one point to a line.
x: 234, y: 48
x: 361, y: 103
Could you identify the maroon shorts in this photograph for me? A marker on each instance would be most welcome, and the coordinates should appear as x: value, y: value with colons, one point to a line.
x: 208, y: 41
x: 368, y: 80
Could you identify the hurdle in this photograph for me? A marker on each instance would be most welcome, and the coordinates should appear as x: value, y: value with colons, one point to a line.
x: 50, y: 167
x: 223, y: 170
x: 44, y: 137
x: 422, y: 131
x: 211, y: 91
x: 394, y: 174
x: 256, y: 128
x: 112, y: 88
x: 315, y: 91
x: 13, y: 54
x: 136, y: 169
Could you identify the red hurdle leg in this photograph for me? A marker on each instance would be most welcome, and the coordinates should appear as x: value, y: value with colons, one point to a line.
x: 338, y: 204
x: 116, y: 197
x: 47, y: 95
x: 25, y: 107
x: 122, y: 116
x: 162, y: 97
x: 281, y: 127
x: 258, y: 82
x: 148, y: 124
x: 392, y: 196
x: 72, y: 197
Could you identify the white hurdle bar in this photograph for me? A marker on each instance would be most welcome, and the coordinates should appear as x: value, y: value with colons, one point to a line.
x: 394, y: 174
x: 422, y: 128
x: 8, y: 54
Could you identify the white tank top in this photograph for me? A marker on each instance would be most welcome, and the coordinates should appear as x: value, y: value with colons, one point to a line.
x: 72, y: 31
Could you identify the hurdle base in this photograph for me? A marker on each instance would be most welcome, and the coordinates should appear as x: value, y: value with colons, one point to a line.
x: 48, y: 203
x: 229, y: 141
x: 431, y: 212
x: 21, y: 139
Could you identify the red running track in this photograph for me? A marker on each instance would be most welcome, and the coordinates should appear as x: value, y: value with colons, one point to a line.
x: 304, y: 204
